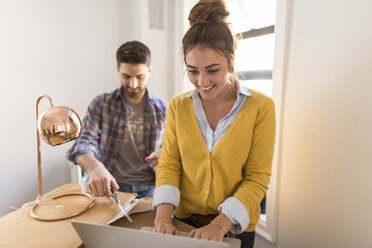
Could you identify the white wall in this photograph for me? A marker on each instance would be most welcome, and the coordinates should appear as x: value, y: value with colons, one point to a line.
x: 325, y: 189
x: 65, y: 49
x: 160, y: 42
x: 168, y: 65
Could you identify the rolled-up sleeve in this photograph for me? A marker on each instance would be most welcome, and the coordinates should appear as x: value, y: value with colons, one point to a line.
x: 166, y: 194
x: 236, y: 212
x: 88, y: 141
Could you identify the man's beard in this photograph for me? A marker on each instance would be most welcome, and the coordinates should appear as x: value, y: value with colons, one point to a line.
x: 137, y: 93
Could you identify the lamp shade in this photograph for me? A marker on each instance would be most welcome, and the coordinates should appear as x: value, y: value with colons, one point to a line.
x: 59, y: 125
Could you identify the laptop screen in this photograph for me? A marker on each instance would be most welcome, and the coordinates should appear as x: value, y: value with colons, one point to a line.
x: 97, y: 236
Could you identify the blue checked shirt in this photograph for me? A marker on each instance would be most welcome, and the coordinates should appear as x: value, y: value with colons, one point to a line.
x: 104, y: 124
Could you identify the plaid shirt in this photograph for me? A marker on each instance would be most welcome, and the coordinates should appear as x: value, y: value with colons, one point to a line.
x: 104, y: 124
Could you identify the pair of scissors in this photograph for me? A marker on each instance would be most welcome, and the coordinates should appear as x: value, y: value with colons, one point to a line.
x: 115, y: 196
x: 145, y: 165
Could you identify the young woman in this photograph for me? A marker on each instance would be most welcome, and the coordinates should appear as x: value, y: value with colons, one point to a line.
x: 219, y: 139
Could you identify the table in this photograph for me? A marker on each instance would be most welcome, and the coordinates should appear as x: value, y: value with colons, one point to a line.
x: 19, y: 229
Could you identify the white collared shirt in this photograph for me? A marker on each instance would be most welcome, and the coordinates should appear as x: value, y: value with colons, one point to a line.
x: 211, y: 138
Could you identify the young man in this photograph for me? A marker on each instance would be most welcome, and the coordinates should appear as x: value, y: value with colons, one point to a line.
x: 122, y: 130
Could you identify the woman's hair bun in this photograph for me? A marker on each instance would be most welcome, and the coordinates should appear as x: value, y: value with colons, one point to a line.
x: 208, y: 11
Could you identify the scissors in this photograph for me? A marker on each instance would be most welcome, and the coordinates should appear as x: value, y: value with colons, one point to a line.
x: 115, y: 196
x: 145, y: 165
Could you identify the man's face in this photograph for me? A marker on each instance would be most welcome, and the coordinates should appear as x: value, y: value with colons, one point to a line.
x: 134, y: 79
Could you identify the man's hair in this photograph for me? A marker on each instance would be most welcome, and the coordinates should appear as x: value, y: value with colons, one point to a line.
x: 133, y: 52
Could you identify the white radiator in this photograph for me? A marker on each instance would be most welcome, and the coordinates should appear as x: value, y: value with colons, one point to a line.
x: 76, y: 173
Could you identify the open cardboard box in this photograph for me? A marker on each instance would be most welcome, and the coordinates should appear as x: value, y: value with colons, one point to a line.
x: 143, y: 215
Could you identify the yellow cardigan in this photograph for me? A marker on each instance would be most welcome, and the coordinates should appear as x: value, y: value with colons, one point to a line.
x: 239, y: 166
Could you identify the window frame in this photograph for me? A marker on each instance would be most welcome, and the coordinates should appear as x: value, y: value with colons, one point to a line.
x: 268, y: 228
x: 253, y: 33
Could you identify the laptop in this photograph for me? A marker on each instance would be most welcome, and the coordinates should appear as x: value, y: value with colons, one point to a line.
x: 98, y: 236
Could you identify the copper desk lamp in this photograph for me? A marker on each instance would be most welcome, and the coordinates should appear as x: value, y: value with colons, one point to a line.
x: 56, y: 126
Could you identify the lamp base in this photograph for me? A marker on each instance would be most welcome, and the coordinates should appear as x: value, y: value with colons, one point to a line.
x: 57, y: 206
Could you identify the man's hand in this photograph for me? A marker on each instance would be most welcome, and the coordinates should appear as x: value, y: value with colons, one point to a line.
x: 100, y: 179
x: 153, y: 157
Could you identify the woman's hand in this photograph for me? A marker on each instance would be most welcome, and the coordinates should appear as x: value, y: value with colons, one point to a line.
x: 208, y: 232
x: 215, y: 231
x: 163, y: 220
x: 165, y: 228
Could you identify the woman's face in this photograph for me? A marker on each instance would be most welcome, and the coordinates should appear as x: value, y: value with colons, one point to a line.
x: 208, y: 71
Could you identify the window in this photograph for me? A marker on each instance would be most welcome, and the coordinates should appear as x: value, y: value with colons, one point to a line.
x: 253, y: 23
x: 259, y: 63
